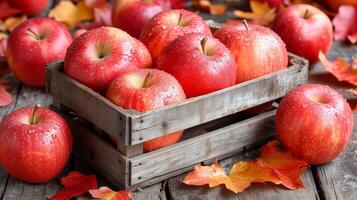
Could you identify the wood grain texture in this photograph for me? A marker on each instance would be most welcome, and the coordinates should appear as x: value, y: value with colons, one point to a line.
x: 179, y: 191
x: 200, y: 148
x: 218, y: 104
x: 87, y: 103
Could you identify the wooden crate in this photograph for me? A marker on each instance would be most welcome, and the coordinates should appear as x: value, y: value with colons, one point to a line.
x: 213, y: 127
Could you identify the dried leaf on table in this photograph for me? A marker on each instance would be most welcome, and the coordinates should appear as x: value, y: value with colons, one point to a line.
x: 261, y: 13
x: 71, y: 14
x: 342, y: 70
x: 12, y: 22
x: 345, y: 23
x: 217, y: 9
x: 203, y: 175
x: 286, y: 167
x: 6, y: 10
x: 201, y: 4
x: 105, y: 193
x: 75, y: 184
x: 275, y: 165
x: 5, y: 96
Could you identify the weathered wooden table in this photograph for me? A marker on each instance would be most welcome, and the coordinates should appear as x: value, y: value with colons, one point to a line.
x: 337, y: 180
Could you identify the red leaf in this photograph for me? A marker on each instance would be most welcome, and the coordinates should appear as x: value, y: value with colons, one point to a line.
x: 345, y: 23
x: 340, y: 68
x: 203, y: 175
x: 102, y: 14
x: 105, y: 193
x: 75, y: 184
x: 5, y: 96
x: 3, y: 47
x: 6, y: 10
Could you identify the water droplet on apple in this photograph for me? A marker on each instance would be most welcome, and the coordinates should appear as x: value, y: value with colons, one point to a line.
x: 53, y: 136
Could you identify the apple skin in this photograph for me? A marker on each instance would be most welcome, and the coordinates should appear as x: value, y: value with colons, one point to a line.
x: 99, y: 55
x: 335, y: 4
x: 132, y: 15
x: 185, y: 59
x: 127, y: 91
x: 314, y: 123
x: 35, y: 153
x: 257, y: 51
x: 28, y: 55
x: 29, y: 7
x: 304, y: 37
x: 166, y: 26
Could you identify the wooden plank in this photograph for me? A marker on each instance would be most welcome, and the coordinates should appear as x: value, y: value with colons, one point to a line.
x: 201, y: 148
x: 87, y: 103
x: 258, y: 191
x: 104, y: 158
x: 218, y: 104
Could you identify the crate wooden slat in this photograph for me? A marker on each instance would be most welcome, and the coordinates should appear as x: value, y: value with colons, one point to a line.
x: 170, y: 161
x: 131, y: 127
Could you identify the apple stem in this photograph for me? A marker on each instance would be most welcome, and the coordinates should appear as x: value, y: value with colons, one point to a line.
x: 203, y: 44
x: 33, y: 33
x: 33, y: 119
x: 179, y: 21
x: 146, y: 82
x: 305, y: 14
x: 245, y: 24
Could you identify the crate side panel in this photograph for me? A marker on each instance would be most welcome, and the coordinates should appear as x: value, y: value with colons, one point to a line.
x: 105, y: 159
x: 201, y: 148
x: 215, y: 105
x: 88, y: 104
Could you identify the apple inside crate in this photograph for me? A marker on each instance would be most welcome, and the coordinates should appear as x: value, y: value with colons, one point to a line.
x: 214, y: 127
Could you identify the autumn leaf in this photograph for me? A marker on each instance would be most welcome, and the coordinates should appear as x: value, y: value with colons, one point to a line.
x: 286, y: 167
x: 75, y: 184
x: 3, y: 46
x: 340, y: 68
x: 5, y: 96
x: 105, y: 193
x: 6, y: 10
x: 345, y: 23
x: 12, y: 22
x: 261, y: 13
x: 275, y: 165
x: 71, y: 14
x: 203, y: 175
x: 217, y: 9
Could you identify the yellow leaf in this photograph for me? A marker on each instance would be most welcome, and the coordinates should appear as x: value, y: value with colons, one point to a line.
x: 12, y: 22
x: 71, y: 14
x: 261, y: 13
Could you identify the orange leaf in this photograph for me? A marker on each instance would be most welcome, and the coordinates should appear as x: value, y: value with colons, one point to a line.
x: 5, y: 96
x: 261, y: 13
x: 345, y: 23
x: 75, y: 184
x: 340, y: 68
x: 217, y: 9
x: 201, y: 4
x: 275, y: 165
x: 203, y: 175
x: 286, y: 167
x: 105, y: 193
x: 71, y: 14
x: 12, y: 22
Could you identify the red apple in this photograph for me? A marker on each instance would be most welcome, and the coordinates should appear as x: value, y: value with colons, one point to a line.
x: 305, y: 29
x: 202, y: 64
x: 35, y: 144
x: 314, y: 122
x: 29, y: 7
x: 147, y: 89
x: 32, y: 45
x: 132, y: 15
x: 164, y: 27
x: 98, y: 56
x: 257, y: 50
